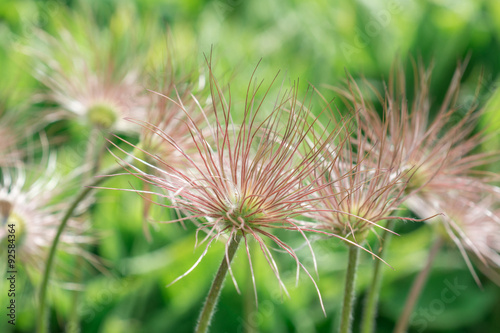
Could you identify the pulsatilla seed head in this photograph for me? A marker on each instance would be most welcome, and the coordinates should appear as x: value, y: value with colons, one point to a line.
x: 444, y: 172
x: 250, y: 176
x: 102, y: 116
x: 28, y: 204
x: 93, y: 72
x: 357, y: 192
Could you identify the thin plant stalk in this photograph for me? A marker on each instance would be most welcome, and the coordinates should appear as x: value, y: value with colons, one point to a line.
x: 101, y: 151
x: 91, y: 152
x: 73, y: 325
x: 213, y: 295
x: 250, y: 302
x: 370, y: 309
x: 95, y: 145
x: 417, y: 287
x: 349, y: 290
x: 41, y: 317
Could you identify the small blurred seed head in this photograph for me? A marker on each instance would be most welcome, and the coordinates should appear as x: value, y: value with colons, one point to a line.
x: 30, y: 201
x: 439, y: 154
x: 94, y: 73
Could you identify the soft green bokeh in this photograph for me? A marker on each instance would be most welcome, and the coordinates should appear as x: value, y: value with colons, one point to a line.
x: 313, y: 41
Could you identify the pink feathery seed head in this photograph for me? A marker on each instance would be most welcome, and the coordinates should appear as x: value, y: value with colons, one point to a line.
x: 29, y: 205
x: 480, y: 223
x: 473, y: 226
x: 358, y: 190
x: 167, y: 118
x: 438, y: 151
x: 97, y: 79
x: 440, y: 155
x: 248, y: 177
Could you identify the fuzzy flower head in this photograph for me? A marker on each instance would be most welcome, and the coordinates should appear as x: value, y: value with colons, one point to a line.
x: 247, y: 178
x: 93, y: 73
x: 167, y: 119
x: 477, y: 227
x: 359, y: 190
x: 440, y: 155
x: 27, y: 206
x: 473, y: 226
x: 437, y: 150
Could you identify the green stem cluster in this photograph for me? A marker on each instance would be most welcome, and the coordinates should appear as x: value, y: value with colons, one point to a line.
x: 370, y: 309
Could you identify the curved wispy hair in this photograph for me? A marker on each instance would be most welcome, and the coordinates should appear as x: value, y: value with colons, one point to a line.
x: 249, y: 177
x: 14, y: 134
x: 9, y: 153
x: 167, y: 119
x: 30, y: 198
x: 440, y: 151
x: 359, y: 189
x: 473, y: 226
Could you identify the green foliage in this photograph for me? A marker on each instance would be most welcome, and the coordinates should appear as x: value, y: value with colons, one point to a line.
x: 315, y: 41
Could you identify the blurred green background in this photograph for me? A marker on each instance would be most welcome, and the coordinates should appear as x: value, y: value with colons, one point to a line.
x: 316, y: 41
